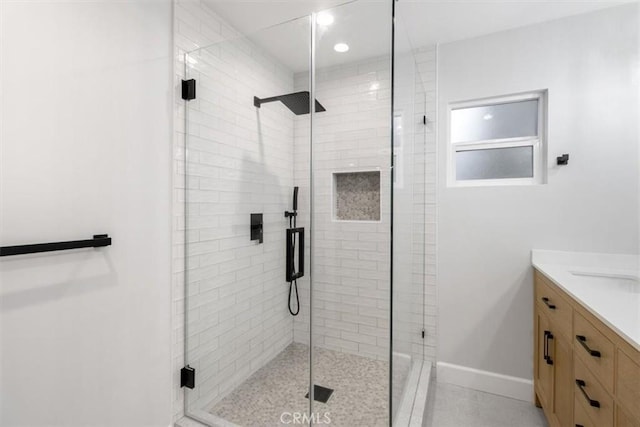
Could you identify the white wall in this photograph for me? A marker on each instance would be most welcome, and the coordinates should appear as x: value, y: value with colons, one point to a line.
x: 85, y: 148
x: 589, y: 64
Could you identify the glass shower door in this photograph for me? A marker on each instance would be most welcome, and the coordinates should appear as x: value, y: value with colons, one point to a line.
x: 351, y: 210
x: 241, y: 150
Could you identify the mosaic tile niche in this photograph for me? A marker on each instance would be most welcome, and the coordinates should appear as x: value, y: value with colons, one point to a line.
x: 357, y: 196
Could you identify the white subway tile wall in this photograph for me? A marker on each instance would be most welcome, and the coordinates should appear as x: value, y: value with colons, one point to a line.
x: 414, y: 296
x: 408, y: 280
x: 426, y: 58
x: 351, y: 276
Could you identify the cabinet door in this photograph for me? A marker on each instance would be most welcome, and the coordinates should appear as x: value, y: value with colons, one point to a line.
x: 624, y: 420
x: 543, y: 368
x: 563, y: 383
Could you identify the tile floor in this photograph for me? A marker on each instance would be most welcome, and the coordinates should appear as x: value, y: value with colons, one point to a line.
x: 359, y: 399
x: 453, y: 406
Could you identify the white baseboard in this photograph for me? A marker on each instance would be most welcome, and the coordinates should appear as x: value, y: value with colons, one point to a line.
x: 490, y: 382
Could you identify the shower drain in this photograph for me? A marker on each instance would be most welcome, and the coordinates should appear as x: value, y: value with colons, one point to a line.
x: 321, y: 394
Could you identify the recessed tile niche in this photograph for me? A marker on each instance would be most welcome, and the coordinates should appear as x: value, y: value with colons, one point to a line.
x: 356, y: 196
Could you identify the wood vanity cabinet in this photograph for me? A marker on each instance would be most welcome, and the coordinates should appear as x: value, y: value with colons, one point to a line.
x: 585, y: 374
x: 554, y: 356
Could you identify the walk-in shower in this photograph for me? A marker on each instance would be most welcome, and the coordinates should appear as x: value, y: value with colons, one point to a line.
x: 318, y: 319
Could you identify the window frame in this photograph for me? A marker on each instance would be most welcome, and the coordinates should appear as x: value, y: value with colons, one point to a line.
x: 537, y: 142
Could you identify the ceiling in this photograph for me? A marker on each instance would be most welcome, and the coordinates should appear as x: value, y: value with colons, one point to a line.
x: 365, y: 24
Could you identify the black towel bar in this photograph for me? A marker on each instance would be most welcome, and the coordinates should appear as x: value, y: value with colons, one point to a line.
x: 98, y: 240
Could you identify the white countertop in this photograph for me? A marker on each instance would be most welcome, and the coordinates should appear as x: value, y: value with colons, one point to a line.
x: 605, y: 284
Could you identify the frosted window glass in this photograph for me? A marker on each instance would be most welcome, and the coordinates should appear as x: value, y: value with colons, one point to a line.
x: 510, y: 120
x: 495, y: 163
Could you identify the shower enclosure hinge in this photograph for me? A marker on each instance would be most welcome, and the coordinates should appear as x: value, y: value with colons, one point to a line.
x: 424, y: 120
x: 187, y: 377
x: 189, y: 89
x: 422, y: 334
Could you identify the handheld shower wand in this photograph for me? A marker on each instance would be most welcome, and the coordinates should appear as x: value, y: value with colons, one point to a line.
x: 295, y: 199
x: 291, y: 274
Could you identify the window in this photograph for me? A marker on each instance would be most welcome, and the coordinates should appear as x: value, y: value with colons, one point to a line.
x: 497, y: 141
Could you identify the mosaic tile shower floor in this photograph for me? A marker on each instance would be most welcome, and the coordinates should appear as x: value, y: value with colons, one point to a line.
x: 359, y: 399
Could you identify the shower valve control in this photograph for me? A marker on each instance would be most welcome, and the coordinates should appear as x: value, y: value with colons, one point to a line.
x: 256, y: 227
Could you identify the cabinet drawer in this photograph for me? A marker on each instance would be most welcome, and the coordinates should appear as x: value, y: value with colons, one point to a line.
x: 596, y: 351
x: 580, y: 417
x: 592, y: 396
x: 553, y: 305
x: 628, y: 383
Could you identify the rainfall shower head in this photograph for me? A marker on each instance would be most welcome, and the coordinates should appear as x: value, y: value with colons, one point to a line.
x: 297, y: 102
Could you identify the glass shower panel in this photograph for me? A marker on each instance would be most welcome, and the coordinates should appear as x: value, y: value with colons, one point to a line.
x: 351, y: 211
x: 410, y: 125
x: 241, y: 151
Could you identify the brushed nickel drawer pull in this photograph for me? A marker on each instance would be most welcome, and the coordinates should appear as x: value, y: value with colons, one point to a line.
x: 581, y: 384
x: 583, y: 342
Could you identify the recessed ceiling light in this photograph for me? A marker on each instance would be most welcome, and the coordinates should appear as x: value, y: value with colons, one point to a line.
x: 341, y: 47
x: 324, y: 19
